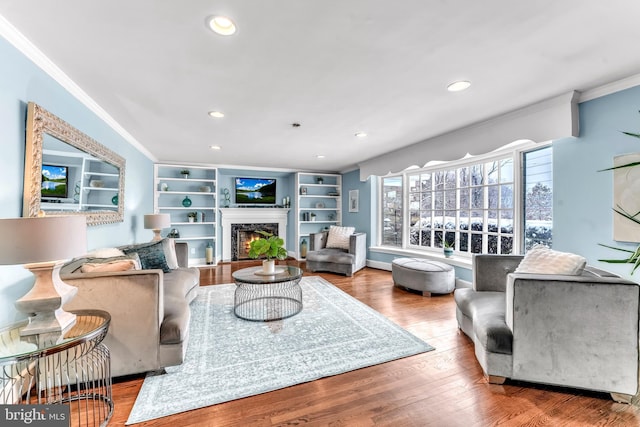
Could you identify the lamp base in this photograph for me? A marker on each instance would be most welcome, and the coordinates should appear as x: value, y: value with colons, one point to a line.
x: 43, y: 303
x: 156, y: 235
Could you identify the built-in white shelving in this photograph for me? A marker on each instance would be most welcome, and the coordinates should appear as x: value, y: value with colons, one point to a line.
x: 318, y: 205
x: 171, y: 189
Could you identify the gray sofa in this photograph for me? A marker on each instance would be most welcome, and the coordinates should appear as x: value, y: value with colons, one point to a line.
x: 149, y: 310
x: 576, y: 331
x: 334, y: 260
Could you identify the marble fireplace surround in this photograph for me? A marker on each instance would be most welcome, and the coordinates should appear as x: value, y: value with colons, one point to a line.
x: 230, y: 216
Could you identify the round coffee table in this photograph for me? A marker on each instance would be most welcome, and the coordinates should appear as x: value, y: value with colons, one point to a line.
x: 263, y: 298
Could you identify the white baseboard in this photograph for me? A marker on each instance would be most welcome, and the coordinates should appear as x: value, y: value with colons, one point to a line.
x: 379, y: 265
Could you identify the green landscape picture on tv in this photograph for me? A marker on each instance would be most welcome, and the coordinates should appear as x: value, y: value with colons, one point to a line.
x: 54, y: 181
x: 255, y: 191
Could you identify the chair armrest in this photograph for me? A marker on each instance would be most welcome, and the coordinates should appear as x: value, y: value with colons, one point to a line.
x: 182, y: 253
x: 358, y: 243
x: 358, y: 247
x: 576, y: 331
x: 135, y: 301
x: 318, y: 241
x: 490, y: 271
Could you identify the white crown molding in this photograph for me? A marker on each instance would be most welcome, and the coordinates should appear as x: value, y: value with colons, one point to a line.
x: 24, y: 45
x: 610, y: 88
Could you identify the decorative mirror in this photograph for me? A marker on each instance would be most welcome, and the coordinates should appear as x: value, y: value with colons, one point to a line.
x: 68, y: 173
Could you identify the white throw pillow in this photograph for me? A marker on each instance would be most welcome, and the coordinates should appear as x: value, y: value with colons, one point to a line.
x: 339, y: 237
x: 542, y: 260
x: 104, y: 253
x: 169, y: 248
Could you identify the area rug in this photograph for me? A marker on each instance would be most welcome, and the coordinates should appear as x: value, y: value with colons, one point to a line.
x: 229, y: 358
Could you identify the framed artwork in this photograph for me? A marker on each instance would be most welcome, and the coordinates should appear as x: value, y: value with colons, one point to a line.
x: 303, y: 190
x: 353, y: 200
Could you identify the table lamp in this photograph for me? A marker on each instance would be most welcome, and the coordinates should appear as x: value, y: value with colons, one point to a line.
x: 157, y: 222
x: 40, y: 244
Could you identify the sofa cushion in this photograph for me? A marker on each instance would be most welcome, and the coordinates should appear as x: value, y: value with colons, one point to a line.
x: 181, y: 282
x: 151, y: 255
x: 336, y: 256
x: 543, y: 260
x: 487, y: 311
x: 338, y: 237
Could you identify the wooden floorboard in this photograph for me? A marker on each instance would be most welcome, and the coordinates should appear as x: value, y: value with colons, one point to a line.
x: 444, y: 387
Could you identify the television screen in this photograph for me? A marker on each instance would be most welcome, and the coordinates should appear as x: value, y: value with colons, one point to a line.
x: 54, y: 181
x: 255, y: 191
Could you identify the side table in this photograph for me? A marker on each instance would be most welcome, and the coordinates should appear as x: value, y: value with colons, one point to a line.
x: 74, y: 370
x: 263, y: 298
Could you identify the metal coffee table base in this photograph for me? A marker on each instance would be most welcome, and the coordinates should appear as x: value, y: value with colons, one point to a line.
x: 268, y: 302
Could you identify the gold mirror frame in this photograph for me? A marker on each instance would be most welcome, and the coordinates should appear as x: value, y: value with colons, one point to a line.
x: 41, y: 122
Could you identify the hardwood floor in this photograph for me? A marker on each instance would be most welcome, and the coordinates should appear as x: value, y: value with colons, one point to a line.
x: 444, y: 387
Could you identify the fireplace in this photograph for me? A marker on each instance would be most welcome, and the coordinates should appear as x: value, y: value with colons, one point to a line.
x: 243, y: 234
x: 252, y: 219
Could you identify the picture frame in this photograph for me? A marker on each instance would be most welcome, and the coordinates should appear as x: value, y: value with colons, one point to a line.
x: 353, y: 200
x: 303, y: 190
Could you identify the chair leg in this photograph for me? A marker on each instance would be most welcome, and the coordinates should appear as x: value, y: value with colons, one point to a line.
x: 621, y: 398
x: 495, y: 379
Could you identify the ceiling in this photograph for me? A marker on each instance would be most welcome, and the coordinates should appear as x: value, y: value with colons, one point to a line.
x: 336, y: 67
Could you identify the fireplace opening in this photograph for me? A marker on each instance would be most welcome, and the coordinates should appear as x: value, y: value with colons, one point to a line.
x: 243, y: 234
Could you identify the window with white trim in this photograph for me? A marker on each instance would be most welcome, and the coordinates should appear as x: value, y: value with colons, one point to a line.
x: 474, y: 205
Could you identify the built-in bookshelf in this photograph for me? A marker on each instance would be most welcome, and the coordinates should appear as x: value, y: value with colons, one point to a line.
x: 191, y: 202
x: 318, y: 205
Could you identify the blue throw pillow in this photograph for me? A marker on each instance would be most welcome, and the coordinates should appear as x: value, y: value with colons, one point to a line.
x: 151, y: 255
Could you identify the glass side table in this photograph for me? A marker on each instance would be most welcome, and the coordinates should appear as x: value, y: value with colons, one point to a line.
x: 72, y: 369
x: 263, y: 298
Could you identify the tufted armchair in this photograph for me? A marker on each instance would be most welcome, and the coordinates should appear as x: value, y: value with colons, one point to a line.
x: 337, y: 260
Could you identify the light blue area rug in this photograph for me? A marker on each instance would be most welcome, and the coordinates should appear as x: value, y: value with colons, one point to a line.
x: 229, y: 358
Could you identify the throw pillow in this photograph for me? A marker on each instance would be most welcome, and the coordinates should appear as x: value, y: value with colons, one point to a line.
x: 169, y: 247
x: 112, y: 266
x: 104, y: 253
x: 339, y: 237
x: 151, y: 255
x: 543, y: 260
x: 75, y: 265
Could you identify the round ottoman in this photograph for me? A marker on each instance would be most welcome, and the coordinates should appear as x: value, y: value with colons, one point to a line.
x: 425, y: 276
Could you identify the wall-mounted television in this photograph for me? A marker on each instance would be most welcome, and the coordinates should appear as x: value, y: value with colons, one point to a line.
x: 255, y: 191
x: 55, y: 182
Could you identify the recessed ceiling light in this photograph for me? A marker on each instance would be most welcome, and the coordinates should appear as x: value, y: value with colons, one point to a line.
x: 216, y: 114
x: 319, y: 156
x: 221, y: 25
x: 215, y: 147
x: 361, y: 134
x: 458, y: 86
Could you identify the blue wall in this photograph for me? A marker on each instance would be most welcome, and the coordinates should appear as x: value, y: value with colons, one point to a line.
x: 22, y: 81
x: 583, y: 197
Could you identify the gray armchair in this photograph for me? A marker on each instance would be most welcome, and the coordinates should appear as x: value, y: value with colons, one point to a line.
x: 321, y: 258
x: 575, y: 331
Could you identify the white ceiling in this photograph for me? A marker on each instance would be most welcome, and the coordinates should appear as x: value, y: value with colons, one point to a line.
x: 335, y: 66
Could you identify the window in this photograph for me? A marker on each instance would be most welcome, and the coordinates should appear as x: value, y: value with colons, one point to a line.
x: 538, y: 200
x: 474, y: 205
x: 470, y: 207
x: 392, y: 211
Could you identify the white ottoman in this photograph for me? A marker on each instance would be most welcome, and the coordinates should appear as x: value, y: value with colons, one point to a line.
x: 425, y: 276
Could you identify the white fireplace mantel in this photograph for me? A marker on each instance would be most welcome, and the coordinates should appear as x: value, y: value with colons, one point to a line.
x: 231, y: 216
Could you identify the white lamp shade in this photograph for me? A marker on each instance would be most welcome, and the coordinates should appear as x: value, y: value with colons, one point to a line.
x: 42, y: 239
x: 157, y: 221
